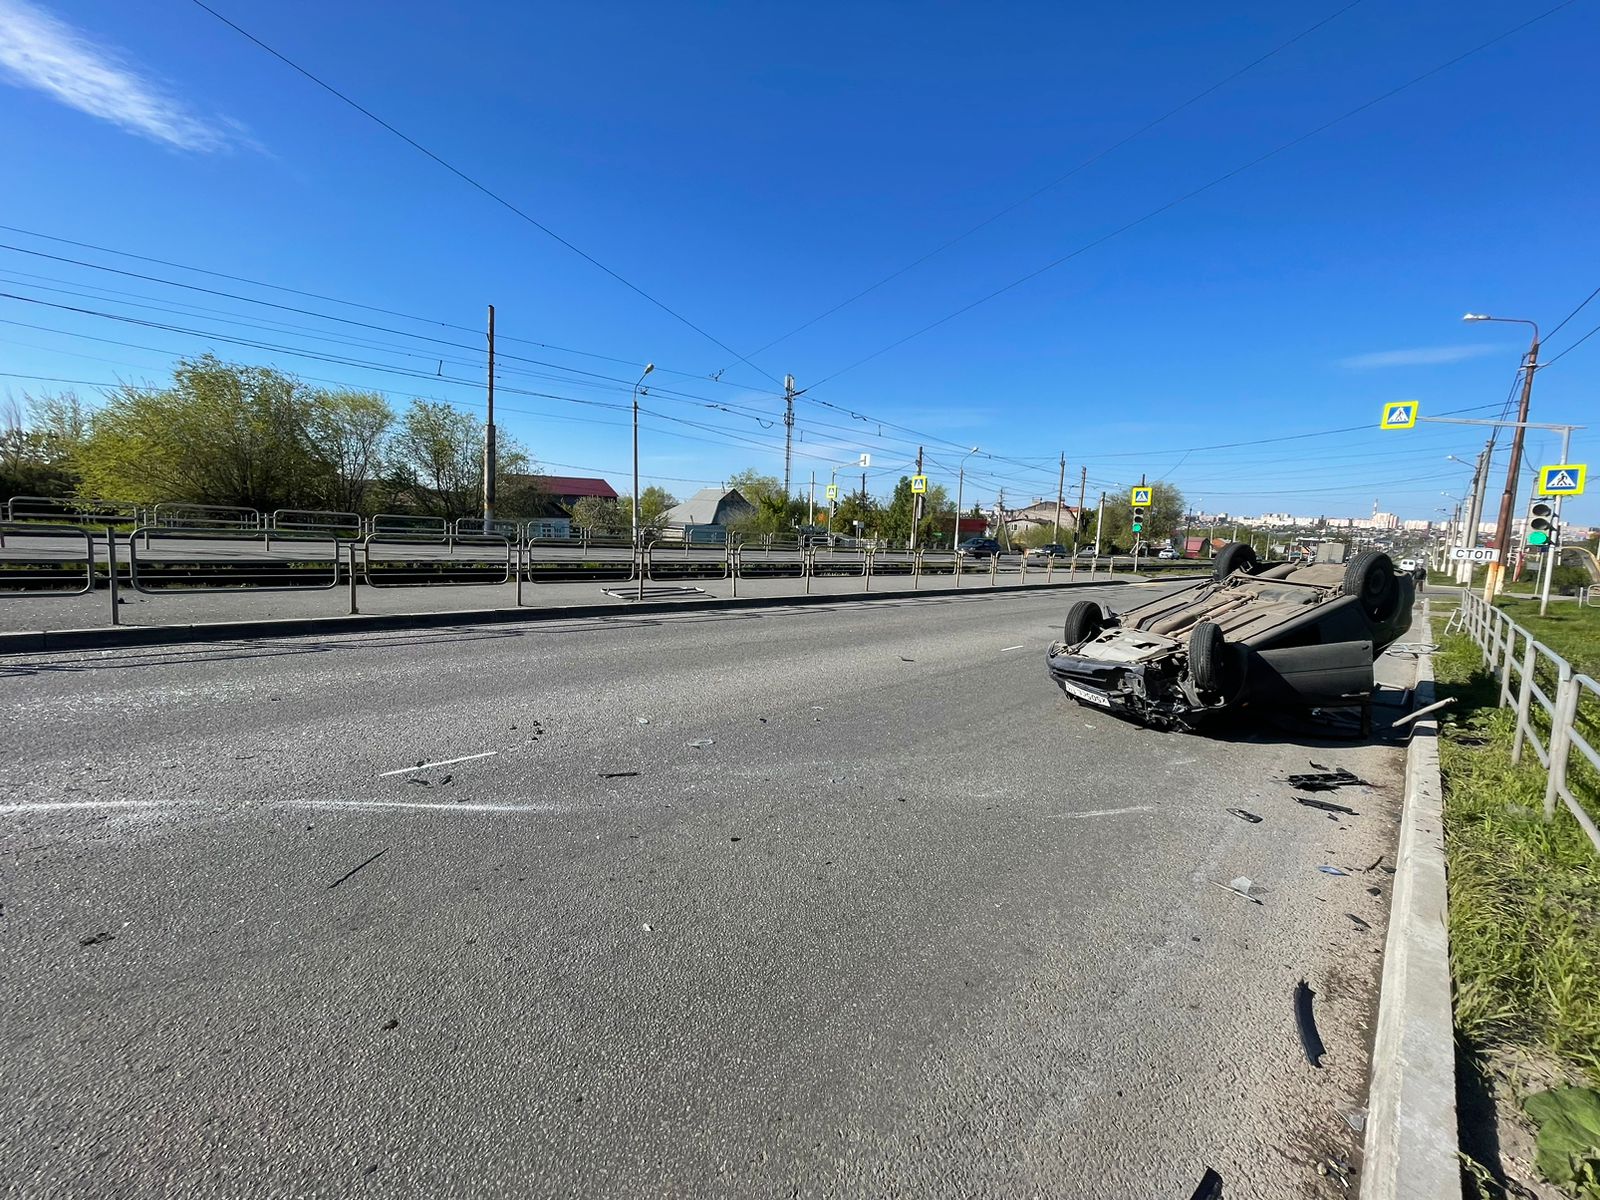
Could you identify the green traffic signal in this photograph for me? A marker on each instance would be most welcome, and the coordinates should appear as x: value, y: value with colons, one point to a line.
x: 1538, y: 537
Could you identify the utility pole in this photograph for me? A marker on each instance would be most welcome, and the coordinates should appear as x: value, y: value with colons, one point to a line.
x: 1099, y: 524
x: 1508, y: 497
x: 1061, y: 487
x: 788, y: 430
x: 916, y: 506
x: 488, y: 440
x: 1480, y: 482
x: 811, y: 504
x: 1083, y: 482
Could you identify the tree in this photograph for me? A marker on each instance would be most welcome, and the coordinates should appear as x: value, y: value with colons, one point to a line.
x: 895, y: 518
x: 857, y: 506
x: 754, y: 486
x: 1162, y: 519
x: 437, y: 453
x: 346, y: 432
x: 654, y: 503
x: 221, y: 434
x: 598, y: 516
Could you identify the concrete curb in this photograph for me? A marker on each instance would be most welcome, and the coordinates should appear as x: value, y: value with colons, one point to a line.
x: 110, y: 636
x: 1411, y: 1107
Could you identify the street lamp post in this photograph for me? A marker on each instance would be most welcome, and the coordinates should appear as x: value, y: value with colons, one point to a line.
x: 1508, y: 497
x: 961, y: 483
x: 637, y: 545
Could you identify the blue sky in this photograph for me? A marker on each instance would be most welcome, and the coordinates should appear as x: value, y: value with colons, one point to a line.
x: 752, y: 166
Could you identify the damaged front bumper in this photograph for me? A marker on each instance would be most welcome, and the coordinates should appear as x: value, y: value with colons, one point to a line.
x: 1150, y: 691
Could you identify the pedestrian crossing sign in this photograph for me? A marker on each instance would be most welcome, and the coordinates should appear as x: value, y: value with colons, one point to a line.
x: 1140, y: 497
x: 1399, y: 414
x: 1563, y: 479
x: 919, y: 484
x: 833, y: 491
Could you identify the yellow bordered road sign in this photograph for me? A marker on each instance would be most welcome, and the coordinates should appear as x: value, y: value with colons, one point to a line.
x: 833, y: 491
x: 1399, y: 414
x: 919, y: 484
x: 1563, y: 479
x: 1140, y: 497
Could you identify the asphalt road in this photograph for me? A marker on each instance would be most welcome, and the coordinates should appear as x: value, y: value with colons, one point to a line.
x: 880, y: 913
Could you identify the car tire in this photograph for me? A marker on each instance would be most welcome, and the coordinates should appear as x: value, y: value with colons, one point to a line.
x: 1215, y: 667
x: 1369, y: 576
x: 1085, y: 619
x: 1235, y: 556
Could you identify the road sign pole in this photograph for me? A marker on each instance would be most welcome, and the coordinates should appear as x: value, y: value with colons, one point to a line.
x: 1508, y: 496
x: 1553, y: 551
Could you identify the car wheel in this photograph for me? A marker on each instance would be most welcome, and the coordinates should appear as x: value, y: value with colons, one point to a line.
x: 1370, y: 577
x: 1235, y: 556
x: 1214, y: 665
x: 1085, y: 618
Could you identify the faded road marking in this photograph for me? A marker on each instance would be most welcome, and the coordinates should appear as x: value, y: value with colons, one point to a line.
x: 60, y: 805
x: 1106, y: 812
x: 1018, y: 646
x: 444, y: 762
x: 445, y: 806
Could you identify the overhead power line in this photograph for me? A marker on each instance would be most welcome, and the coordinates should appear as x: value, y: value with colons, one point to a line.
x: 1197, y: 191
x: 479, y: 186
x: 1572, y: 314
x: 1060, y: 179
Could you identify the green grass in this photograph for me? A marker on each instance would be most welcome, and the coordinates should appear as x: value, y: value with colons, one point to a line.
x: 1524, y: 894
x: 1571, y: 631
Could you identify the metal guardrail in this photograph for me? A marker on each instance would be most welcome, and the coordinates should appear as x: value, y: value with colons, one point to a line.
x: 316, y: 520
x: 70, y: 512
x: 278, y: 566
x: 453, y: 542
x: 1534, y: 679
x: 224, y: 518
x: 73, y: 531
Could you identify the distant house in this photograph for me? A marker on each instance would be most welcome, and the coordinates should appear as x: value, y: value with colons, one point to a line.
x: 711, y: 506
x: 567, y: 490
x: 1020, y: 520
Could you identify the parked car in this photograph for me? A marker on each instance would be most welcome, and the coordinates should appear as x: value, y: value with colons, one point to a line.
x: 979, y: 547
x: 1052, y: 550
x: 1274, y: 634
x: 1169, y: 552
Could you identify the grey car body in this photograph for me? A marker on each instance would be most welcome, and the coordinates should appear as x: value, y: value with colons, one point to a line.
x: 1282, y: 634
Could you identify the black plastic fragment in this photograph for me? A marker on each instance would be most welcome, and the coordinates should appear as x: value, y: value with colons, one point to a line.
x: 1210, y: 1187
x: 1326, y: 806
x: 1310, y: 1040
x: 1325, y: 781
x: 1245, y: 816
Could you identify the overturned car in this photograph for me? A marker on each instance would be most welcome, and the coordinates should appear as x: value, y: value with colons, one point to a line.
x: 1282, y: 634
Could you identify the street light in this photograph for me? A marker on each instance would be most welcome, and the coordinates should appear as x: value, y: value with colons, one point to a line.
x: 636, y: 545
x: 1508, y: 497
x: 961, y: 482
x: 862, y: 460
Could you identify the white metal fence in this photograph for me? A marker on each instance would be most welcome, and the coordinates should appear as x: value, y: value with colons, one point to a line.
x: 1557, y: 709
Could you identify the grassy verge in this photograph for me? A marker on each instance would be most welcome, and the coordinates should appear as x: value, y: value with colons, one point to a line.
x: 1524, y: 894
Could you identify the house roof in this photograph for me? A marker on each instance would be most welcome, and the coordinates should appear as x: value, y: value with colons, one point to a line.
x: 574, y: 485
x: 705, y: 506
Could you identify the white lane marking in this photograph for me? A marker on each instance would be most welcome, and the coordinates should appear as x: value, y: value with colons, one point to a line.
x: 59, y: 805
x: 441, y: 807
x: 1105, y: 812
x: 444, y: 762
x: 1018, y: 646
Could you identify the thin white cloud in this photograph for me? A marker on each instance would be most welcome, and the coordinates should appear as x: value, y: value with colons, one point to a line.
x: 1420, y: 356
x: 39, y: 51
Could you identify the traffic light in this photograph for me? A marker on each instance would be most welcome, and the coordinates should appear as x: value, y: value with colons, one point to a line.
x: 1542, y: 527
x: 1138, y: 520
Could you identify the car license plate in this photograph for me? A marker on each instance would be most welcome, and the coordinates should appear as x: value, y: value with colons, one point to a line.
x: 1083, y: 693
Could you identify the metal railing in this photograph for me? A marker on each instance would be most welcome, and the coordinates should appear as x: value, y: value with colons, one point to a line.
x: 446, y: 570
x: 220, y: 519
x: 347, y: 525
x: 69, y: 531
x: 243, y: 575
x: 1557, y: 709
